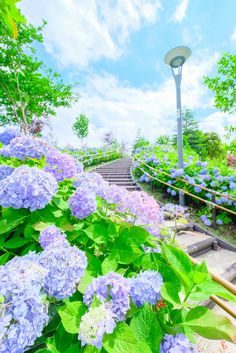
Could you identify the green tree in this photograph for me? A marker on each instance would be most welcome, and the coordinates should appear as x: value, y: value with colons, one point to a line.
x: 11, y: 15
x: 163, y: 140
x: 81, y: 127
x: 224, y: 83
x: 214, y: 148
x: 28, y: 90
x: 140, y: 141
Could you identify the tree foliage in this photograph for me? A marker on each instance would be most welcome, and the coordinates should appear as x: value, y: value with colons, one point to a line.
x: 80, y: 127
x: 28, y: 90
x: 223, y: 84
x: 163, y: 140
x: 11, y: 15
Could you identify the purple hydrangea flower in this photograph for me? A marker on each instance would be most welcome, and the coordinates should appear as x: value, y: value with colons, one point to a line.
x: 5, y: 152
x: 175, y: 211
x: 219, y: 222
x: 173, y: 193
x: 146, y: 288
x: 5, y: 170
x: 112, y: 288
x: 65, y: 265
x: 232, y: 186
x: 197, y: 189
x: 82, y: 203
x: 92, y: 181
x: 24, y: 147
x: 177, y: 344
x: 207, y: 222
x: 23, y: 314
x: 61, y: 165
x: 52, y: 235
x: 95, y: 324
x: 27, y: 188
x: 8, y: 134
x: 114, y: 194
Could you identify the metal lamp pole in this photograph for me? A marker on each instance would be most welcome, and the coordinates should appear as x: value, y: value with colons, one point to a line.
x: 175, y: 58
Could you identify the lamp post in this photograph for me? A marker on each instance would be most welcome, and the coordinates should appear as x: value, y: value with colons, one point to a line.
x: 175, y: 58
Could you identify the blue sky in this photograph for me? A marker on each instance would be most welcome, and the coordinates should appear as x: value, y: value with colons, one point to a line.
x: 115, y: 50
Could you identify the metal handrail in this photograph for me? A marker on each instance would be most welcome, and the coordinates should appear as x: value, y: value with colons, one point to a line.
x: 187, y: 182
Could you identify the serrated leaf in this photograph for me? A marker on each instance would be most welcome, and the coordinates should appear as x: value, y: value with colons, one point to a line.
x: 210, y: 325
x: 71, y: 314
x: 123, y: 340
x: 109, y: 264
x: 146, y: 328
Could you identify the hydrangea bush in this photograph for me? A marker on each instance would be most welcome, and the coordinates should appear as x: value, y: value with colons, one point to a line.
x: 78, y: 273
x: 196, y: 173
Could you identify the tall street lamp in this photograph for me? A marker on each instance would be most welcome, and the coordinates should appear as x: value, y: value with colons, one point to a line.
x: 175, y: 58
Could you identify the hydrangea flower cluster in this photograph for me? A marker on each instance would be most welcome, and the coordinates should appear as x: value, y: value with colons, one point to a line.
x: 23, y: 314
x: 112, y: 288
x: 61, y: 165
x: 27, y: 188
x: 205, y: 220
x: 24, y: 147
x: 92, y: 181
x: 82, y: 203
x: 52, y: 235
x: 8, y: 134
x: 114, y: 194
x: 177, y: 344
x: 5, y: 170
x: 65, y: 265
x: 95, y: 324
x: 146, y: 287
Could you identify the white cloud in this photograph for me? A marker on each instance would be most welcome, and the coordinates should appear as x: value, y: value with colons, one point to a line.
x: 192, y: 36
x: 80, y: 32
x: 114, y: 105
x: 180, y: 11
x: 233, y: 36
x: 216, y: 122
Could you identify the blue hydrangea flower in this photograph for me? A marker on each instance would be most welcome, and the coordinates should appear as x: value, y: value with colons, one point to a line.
x: 177, y: 344
x: 114, y: 194
x: 209, y: 196
x: 92, y: 181
x: 23, y: 314
x: 5, y: 170
x: 175, y: 211
x: 112, y: 288
x: 173, y: 192
x: 232, y: 186
x: 5, y: 152
x: 52, y: 235
x: 207, y: 222
x: 61, y: 165
x: 27, y: 188
x: 219, y: 222
x: 146, y: 288
x: 203, y: 218
x: 82, y: 203
x: 8, y: 134
x: 95, y: 324
x: 24, y: 147
x: 197, y: 189
x: 65, y: 265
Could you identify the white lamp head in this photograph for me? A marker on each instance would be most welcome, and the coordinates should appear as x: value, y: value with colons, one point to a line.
x: 177, y: 56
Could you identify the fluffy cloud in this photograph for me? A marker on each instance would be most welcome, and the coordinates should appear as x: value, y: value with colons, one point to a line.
x: 216, y: 122
x: 117, y: 106
x: 180, y: 11
x: 81, y: 32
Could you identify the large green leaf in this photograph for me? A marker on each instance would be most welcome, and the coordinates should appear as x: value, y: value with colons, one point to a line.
x: 204, y: 290
x: 180, y: 263
x: 146, y: 328
x: 210, y: 325
x: 109, y: 264
x: 123, y: 340
x: 126, y: 249
x: 15, y: 243
x: 170, y: 293
x: 11, y: 219
x: 71, y: 314
x: 98, y: 233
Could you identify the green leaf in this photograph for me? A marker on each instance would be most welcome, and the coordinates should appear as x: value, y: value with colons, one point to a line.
x: 98, y: 233
x: 138, y: 234
x: 4, y: 258
x: 123, y: 340
x: 126, y: 249
x: 71, y: 314
x: 180, y: 263
x: 170, y: 293
x: 146, y: 328
x: 84, y: 282
x: 109, y: 264
x: 15, y: 243
x: 11, y: 222
x: 205, y: 289
x: 60, y: 203
x: 210, y: 325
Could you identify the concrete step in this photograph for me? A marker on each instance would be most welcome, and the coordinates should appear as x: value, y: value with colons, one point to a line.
x: 122, y: 183
x: 219, y: 261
